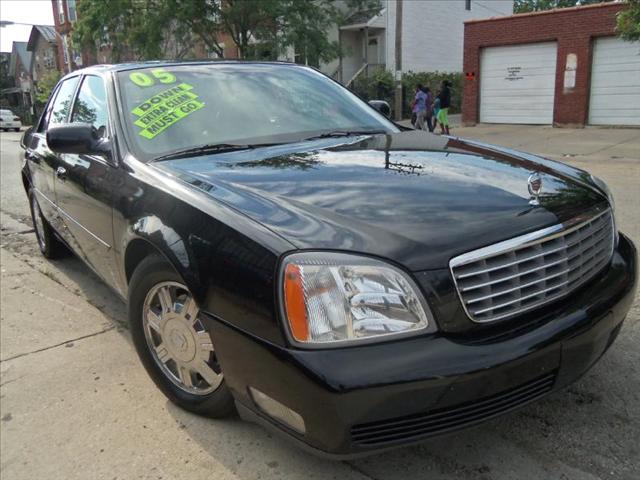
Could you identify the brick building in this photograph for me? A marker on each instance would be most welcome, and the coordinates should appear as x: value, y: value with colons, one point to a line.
x: 561, y: 67
x: 43, y: 45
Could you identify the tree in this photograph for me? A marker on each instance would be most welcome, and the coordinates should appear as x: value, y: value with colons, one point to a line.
x: 133, y: 29
x: 45, y: 86
x: 524, y: 6
x: 141, y: 29
x: 628, y: 21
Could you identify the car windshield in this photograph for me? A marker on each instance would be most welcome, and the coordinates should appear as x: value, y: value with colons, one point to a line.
x: 171, y: 108
x: 6, y: 112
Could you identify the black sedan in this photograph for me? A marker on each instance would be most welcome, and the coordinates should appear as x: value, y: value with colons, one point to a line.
x: 289, y: 253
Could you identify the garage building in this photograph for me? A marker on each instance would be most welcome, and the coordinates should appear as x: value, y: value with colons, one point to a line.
x: 560, y: 67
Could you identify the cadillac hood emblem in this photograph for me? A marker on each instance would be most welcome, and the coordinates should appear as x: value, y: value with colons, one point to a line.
x: 535, y: 187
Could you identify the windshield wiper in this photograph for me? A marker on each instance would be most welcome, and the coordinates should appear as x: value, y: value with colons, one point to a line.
x: 345, y: 133
x: 208, y: 148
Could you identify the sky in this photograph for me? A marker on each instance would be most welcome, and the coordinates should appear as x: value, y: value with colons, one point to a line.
x: 25, y: 11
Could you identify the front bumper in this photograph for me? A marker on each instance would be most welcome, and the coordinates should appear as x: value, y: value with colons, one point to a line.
x: 10, y: 125
x: 358, y: 400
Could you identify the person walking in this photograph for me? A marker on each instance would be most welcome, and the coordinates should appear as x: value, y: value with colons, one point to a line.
x: 436, y: 109
x: 429, y: 108
x: 445, y: 101
x: 420, y: 107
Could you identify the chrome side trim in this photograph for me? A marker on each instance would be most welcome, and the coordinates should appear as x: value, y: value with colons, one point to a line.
x: 522, y: 241
x: 60, y: 210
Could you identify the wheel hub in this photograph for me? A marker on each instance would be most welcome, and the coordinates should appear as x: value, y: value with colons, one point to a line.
x: 179, y: 342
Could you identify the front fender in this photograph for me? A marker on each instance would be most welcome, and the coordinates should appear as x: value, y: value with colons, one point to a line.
x: 229, y: 274
x: 169, y: 243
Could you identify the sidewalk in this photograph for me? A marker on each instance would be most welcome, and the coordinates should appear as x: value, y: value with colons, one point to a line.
x: 77, y: 404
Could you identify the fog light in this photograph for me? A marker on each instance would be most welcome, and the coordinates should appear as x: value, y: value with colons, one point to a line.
x: 276, y: 410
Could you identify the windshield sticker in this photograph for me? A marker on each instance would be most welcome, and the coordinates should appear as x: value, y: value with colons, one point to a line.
x: 143, y: 80
x: 166, y: 108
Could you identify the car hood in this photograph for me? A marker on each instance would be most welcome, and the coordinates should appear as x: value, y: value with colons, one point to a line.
x: 412, y: 197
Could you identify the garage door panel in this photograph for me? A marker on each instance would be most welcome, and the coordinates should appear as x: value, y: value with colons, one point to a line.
x: 517, y: 83
x: 516, y: 104
x: 629, y: 99
x: 615, y: 83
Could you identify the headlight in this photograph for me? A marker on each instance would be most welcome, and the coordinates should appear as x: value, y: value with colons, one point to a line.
x: 605, y: 189
x: 334, y: 297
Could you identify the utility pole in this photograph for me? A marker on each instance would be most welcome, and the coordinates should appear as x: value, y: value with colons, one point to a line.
x: 398, y: 72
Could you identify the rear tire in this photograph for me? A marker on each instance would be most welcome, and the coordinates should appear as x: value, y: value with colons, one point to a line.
x: 173, y: 341
x: 48, y: 243
x: 17, y: 129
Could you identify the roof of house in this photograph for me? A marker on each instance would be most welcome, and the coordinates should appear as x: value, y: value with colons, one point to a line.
x: 47, y: 32
x: 366, y: 18
x: 19, y: 51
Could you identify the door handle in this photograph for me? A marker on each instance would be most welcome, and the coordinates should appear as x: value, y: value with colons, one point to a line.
x: 61, y: 173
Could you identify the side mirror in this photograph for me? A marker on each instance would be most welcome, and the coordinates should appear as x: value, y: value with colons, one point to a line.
x: 25, y: 140
x: 381, y: 106
x: 78, y: 138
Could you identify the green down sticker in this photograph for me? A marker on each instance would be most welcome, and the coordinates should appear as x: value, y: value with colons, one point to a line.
x: 166, y: 108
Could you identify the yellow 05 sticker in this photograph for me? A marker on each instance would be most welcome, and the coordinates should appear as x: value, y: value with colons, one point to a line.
x: 141, y: 79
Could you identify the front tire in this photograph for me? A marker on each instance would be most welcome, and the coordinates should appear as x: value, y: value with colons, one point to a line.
x: 48, y: 243
x: 173, y: 341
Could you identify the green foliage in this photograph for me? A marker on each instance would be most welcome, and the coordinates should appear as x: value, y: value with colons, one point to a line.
x: 134, y: 29
x: 433, y: 80
x: 380, y: 86
x: 524, y: 6
x: 628, y: 21
x: 45, y: 85
x: 141, y: 29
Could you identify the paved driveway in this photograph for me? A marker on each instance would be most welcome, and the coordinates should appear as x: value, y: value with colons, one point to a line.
x: 75, y: 403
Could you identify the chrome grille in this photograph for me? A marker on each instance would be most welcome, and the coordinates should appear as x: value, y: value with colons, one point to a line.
x: 526, y: 272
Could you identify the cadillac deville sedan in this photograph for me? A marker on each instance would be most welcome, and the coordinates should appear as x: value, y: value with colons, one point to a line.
x: 289, y: 253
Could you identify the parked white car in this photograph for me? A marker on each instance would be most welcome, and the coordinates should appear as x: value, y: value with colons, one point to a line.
x: 9, y: 120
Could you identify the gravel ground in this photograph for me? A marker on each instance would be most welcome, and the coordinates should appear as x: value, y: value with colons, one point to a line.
x: 75, y: 403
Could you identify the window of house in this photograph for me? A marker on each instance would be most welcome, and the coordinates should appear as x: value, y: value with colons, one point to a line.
x: 64, y: 53
x: 91, y: 104
x: 60, y: 11
x: 71, y: 10
x: 467, y: 4
x: 48, y: 59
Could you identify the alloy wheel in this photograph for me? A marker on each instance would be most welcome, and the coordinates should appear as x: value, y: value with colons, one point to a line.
x: 178, y: 339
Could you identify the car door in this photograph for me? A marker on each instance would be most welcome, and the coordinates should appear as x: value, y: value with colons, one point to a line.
x: 41, y: 160
x: 84, y: 185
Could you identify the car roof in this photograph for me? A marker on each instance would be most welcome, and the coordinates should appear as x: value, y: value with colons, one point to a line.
x: 119, y: 67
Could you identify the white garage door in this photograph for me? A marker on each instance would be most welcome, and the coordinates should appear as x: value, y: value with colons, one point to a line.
x: 615, y: 83
x: 517, y: 83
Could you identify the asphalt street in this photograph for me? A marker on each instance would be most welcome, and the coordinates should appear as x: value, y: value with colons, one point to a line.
x: 75, y: 403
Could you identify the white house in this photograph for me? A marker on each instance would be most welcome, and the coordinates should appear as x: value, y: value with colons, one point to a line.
x: 432, y: 36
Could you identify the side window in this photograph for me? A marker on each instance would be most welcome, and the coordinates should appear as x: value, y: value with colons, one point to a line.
x: 44, y: 118
x: 91, y: 104
x: 62, y: 104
